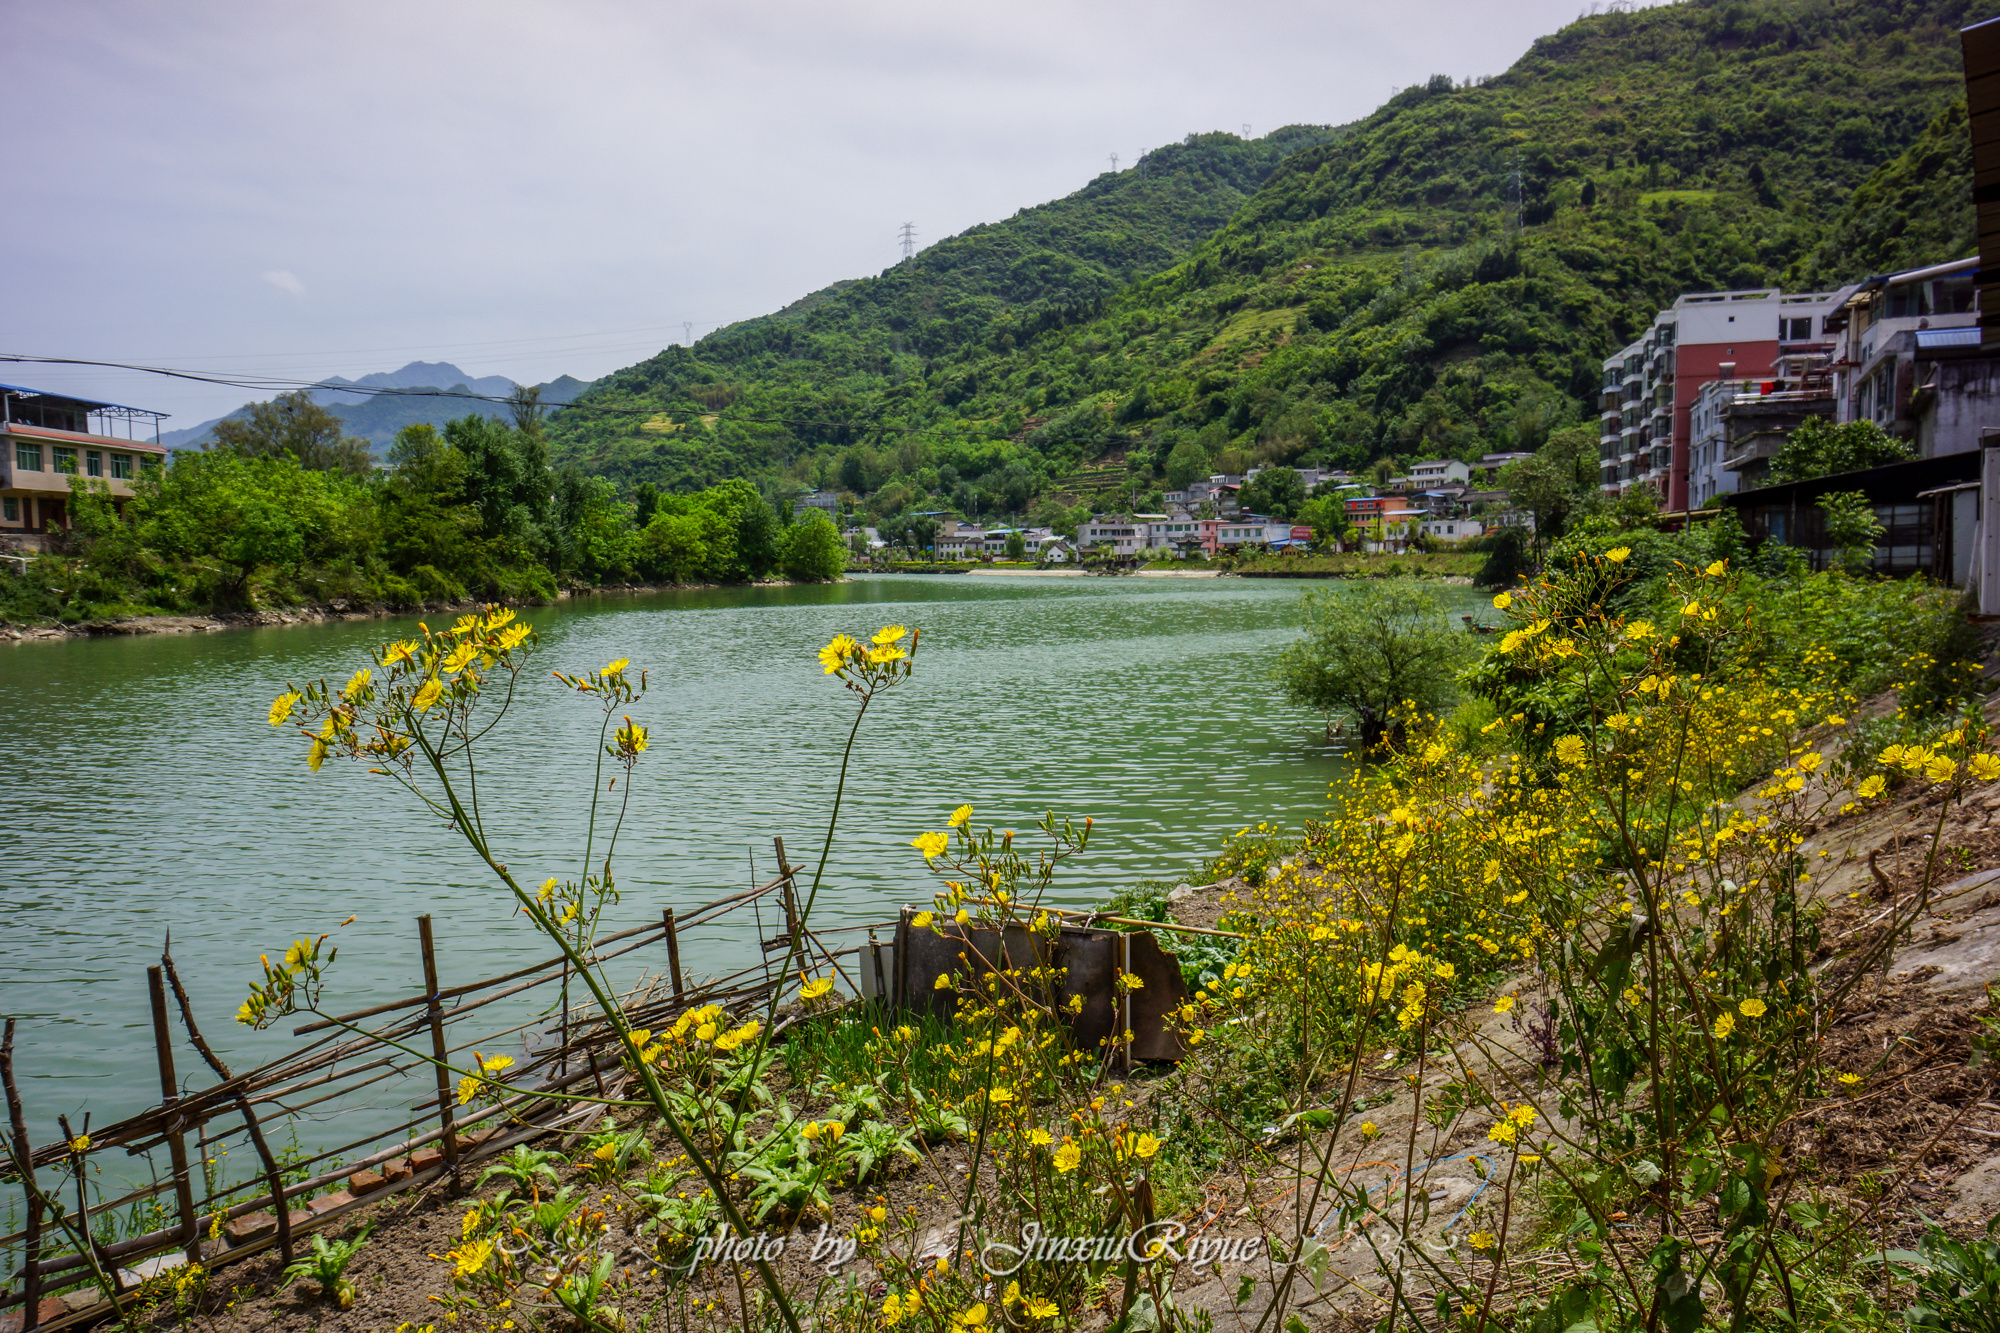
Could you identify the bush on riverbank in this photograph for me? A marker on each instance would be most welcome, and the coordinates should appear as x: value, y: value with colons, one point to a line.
x: 472, y: 512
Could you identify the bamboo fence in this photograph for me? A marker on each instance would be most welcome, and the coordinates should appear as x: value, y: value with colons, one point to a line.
x: 57, y: 1283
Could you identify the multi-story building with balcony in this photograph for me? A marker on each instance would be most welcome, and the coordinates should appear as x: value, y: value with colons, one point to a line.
x: 1645, y: 434
x: 50, y: 438
x: 1910, y: 358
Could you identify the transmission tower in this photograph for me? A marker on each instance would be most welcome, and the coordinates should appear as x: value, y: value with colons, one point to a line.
x: 687, y: 326
x: 1246, y: 129
x: 909, y: 239
x: 1114, y: 164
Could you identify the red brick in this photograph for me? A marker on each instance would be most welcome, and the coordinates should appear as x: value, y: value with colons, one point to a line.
x: 326, y: 1203
x: 366, y: 1182
x: 396, y: 1172
x: 256, y: 1226
x: 49, y: 1309
x: 426, y: 1158
x: 251, y: 1226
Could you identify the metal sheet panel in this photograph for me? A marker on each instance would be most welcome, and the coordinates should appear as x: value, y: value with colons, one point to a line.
x: 1088, y: 962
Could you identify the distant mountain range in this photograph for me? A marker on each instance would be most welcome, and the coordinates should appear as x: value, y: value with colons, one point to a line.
x: 418, y: 394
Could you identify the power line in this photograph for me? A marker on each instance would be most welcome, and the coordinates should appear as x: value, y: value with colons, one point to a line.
x: 270, y: 383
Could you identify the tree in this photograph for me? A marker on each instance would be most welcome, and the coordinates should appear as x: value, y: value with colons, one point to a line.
x: 1371, y: 650
x: 1187, y: 464
x: 1852, y: 529
x: 293, y: 424
x: 813, y: 552
x: 1276, y: 491
x: 1017, y: 546
x: 1327, y: 515
x: 1555, y: 481
x: 1818, y: 448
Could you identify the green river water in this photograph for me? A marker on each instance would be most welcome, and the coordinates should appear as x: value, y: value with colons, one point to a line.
x: 142, y: 791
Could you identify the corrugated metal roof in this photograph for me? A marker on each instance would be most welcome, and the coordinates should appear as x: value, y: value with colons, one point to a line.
x: 1967, y: 337
x: 72, y: 398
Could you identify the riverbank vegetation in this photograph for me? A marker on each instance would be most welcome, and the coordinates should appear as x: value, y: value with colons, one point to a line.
x: 285, y: 513
x: 1548, y: 1024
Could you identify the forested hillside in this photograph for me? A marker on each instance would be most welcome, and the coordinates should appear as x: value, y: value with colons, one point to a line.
x: 1442, y: 277
x: 1916, y: 210
x: 839, y: 355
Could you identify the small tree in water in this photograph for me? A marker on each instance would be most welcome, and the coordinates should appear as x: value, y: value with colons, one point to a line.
x: 1370, y: 652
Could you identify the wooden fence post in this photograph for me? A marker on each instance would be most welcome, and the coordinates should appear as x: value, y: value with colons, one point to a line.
x: 169, y: 1104
x: 24, y: 1162
x: 272, y: 1175
x: 673, y: 951
x: 436, y: 1008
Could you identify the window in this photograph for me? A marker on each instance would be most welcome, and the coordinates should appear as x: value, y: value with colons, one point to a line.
x: 10, y: 509
x: 121, y: 467
x: 93, y: 462
x: 27, y: 457
x: 64, y: 459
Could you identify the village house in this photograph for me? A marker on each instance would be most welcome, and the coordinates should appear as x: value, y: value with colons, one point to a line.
x: 51, y: 438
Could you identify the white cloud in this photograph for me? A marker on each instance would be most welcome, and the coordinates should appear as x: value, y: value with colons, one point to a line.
x: 285, y: 281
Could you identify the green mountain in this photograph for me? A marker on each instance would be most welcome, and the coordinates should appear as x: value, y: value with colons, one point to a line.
x: 1442, y: 277
x: 826, y: 363
x: 1916, y: 210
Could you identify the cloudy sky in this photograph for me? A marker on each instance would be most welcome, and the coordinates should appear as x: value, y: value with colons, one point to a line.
x: 537, y: 189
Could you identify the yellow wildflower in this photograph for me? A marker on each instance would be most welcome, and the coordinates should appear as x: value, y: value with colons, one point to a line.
x: 921, y: 920
x: 427, y: 695
x: 1618, y: 555
x: 1481, y: 1240
x: 959, y: 816
x: 1871, y: 787
x: 1503, y: 601
x: 616, y: 668
x: 930, y: 844
x: 1504, y: 1004
x: 889, y: 634
x: 812, y: 990
x: 1570, y: 749
x: 1725, y: 1023
x: 472, y: 1258
x: 1983, y: 767
x: 1751, y: 1008
x: 1715, y: 570
x: 282, y: 706
x: 836, y: 653
x: 1068, y: 1157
